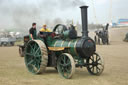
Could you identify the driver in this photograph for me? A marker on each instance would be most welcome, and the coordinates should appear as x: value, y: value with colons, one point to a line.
x: 45, y: 29
x: 43, y: 32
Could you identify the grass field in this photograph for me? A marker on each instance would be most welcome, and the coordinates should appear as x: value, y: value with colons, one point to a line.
x: 14, y: 72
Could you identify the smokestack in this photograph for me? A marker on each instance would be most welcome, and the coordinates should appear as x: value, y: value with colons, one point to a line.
x: 84, y: 21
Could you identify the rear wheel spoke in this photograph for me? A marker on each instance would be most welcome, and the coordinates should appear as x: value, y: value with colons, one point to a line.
x: 35, y: 47
x: 38, y: 61
x: 29, y: 54
x: 30, y: 62
x: 61, y: 64
x: 37, y: 51
x: 31, y: 48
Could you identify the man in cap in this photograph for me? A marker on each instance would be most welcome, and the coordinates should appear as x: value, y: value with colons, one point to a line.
x: 45, y: 29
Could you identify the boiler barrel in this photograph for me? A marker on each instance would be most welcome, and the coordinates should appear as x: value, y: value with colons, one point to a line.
x: 70, y: 45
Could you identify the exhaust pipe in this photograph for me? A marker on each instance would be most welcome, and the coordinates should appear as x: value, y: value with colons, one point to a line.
x: 84, y: 21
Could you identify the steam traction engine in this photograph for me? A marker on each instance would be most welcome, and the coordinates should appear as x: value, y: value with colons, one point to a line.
x: 62, y: 51
x: 102, y: 36
x: 126, y: 37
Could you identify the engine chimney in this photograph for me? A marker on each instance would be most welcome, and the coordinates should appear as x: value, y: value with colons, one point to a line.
x: 84, y: 21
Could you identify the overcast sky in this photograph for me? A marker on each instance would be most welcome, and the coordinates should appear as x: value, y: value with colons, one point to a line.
x: 21, y: 13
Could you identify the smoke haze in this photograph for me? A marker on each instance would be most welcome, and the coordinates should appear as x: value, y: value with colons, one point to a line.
x: 20, y: 14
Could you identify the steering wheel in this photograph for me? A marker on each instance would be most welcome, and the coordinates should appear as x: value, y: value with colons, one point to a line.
x: 59, y: 29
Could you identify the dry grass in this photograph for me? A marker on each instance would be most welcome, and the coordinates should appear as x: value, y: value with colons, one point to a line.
x: 14, y: 72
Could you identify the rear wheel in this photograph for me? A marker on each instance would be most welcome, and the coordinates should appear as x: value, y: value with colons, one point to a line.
x: 36, y: 56
x: 95, y: 64
x: 66, y: 65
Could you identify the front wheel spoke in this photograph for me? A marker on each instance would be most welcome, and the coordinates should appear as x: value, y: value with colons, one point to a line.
x: 62, y: 69
x: 89, y: 64
x: 98, y: 59
x: 67, y: 73
x: 91, y: 67
x: 69, y: 63
x: 99, y: 64
x: 95, y: 64
x: 67, y: 70
x: 92, y: 59
x: 97, y: 69
x: 64, y: 60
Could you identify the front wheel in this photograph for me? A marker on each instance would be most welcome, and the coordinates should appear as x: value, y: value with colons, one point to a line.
x: 95, y: 64
x: 66, y: 65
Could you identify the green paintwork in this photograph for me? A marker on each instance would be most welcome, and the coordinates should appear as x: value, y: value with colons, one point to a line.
x: 66, y: 43
x: 33, y: 57
x: 64, y: 66
x: 66, y: 34
x: 34, y: 35
x: 71, y: 44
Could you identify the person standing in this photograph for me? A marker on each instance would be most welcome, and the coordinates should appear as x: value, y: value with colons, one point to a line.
x: 32, y: 32
x: 45, y: 29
